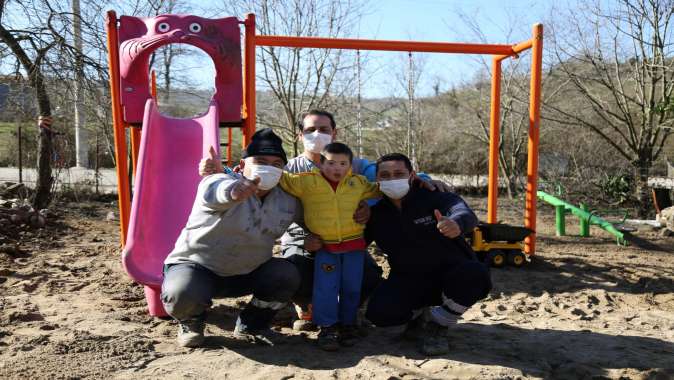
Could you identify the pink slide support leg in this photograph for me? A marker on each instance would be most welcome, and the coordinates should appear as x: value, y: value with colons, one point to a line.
x: 154, y: 304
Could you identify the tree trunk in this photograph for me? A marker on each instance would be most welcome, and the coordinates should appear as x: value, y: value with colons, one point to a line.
x: 81, y: 134
x: 642, y: 193
x: 43, y: 186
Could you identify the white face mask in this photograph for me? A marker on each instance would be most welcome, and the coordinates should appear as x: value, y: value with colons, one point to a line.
x: 269, y: 175
x: 316, y: 141
x: 395, y: 188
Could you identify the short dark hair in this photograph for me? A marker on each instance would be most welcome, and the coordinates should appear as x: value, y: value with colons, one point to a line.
x: 337, y: 148
x: 315, y: 112
x: 395, y: 157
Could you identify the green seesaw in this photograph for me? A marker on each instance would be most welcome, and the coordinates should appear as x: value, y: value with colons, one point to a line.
x: 585, y: 216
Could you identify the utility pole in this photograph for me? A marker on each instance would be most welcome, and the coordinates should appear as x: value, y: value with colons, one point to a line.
x: 81, y: 143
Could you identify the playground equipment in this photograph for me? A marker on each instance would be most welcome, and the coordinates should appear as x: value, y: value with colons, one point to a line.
x: 165, y: 157
x: 168, y: 151
x: 497, y: 244
x: 585, y: 216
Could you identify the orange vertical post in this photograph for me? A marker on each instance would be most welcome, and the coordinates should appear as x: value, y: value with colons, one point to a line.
x: 153, y: 84
x: 494, y: 140
x: 123, y: 190
x: 135, y: 147
x: 249, y: 79
x: 534, y: 129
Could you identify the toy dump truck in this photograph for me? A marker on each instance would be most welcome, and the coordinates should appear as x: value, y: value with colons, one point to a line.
x: 499, y: 244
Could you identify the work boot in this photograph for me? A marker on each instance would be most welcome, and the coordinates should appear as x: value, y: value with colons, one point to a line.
x: 303, y: 322
x: 328, y: 339
x: 191, y: 332
x: 264, y: 336
x: 304, y: 325
x: 434, y: 341
x: 348, y: 335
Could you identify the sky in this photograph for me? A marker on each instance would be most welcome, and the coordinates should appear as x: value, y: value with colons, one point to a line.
x: 442, y: 21
x: 421, y: 20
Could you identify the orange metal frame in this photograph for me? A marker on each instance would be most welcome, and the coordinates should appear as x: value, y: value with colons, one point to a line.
x: 251, y: 41
x: 499, y: 53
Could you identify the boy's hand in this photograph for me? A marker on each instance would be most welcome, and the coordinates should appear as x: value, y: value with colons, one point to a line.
x: 313, y: 243
x: 210, y: 165
x: 432, y: 185
x: 362, y: 213
x: 244, y: 188
x: 447, y: 226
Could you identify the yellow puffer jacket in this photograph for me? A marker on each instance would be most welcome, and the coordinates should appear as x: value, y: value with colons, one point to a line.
x: 329, y: 213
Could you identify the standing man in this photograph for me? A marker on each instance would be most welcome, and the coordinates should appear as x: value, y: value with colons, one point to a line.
x: 225, y: 249
x: 435, y: 276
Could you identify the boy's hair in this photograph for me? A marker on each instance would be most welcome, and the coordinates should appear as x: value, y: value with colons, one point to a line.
x: 315, y: 112
x: 337, y: 148
x: 395, y: 157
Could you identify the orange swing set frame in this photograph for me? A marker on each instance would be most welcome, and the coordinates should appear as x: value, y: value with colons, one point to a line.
x: 499, y: 52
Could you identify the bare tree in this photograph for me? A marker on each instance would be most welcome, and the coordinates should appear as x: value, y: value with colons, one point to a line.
x: 615, y: 71
x: 299, y: 79
x: 33, y: 68
x: 38, y: 34
x: 513, y: 120
x: 514, y: 102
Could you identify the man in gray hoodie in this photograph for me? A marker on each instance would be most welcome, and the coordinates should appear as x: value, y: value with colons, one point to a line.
x: 225, y: 249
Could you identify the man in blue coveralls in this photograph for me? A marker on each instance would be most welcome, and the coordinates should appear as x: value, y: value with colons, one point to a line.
x: 435, y: 276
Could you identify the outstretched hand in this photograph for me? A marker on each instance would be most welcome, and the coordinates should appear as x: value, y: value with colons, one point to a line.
x: 210, y: 165
x: 447, y: 226
x: 244, y: 188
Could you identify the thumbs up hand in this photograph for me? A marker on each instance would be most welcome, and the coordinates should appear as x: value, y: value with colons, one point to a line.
x: 244, y: 188
x: 447, y: 226
x: 210, y: 165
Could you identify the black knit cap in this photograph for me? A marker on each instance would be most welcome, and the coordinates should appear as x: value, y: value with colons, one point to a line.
x: 265, y: 143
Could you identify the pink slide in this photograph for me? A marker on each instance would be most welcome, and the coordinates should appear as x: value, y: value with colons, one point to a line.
x: 165, y: 187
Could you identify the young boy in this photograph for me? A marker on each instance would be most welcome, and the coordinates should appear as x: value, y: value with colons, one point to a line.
x: 330, y: 196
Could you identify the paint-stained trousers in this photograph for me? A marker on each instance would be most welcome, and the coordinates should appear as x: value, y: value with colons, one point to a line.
x: 188, y: 290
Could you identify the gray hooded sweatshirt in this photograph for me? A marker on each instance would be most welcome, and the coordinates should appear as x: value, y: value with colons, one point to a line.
x: 233, y: 237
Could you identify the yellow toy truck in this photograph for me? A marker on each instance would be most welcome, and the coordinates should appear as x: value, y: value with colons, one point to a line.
x: 499, y: 244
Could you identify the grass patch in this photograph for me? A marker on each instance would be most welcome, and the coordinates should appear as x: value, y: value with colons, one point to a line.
x: 6, y: 137
x: 7, y: 127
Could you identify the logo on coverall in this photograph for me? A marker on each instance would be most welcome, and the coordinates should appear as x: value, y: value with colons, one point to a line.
x: 426, y: 220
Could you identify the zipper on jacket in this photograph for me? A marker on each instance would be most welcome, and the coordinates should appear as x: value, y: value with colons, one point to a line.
x: 339, y: 216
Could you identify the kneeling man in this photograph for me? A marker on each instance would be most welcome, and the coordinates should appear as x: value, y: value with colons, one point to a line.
x: 225, y: 250
x: 435, y: 276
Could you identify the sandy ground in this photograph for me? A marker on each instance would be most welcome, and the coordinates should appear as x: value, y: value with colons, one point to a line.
x: 583, y: 308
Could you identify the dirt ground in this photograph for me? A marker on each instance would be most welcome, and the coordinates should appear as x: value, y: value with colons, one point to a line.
x: 583, y: 308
